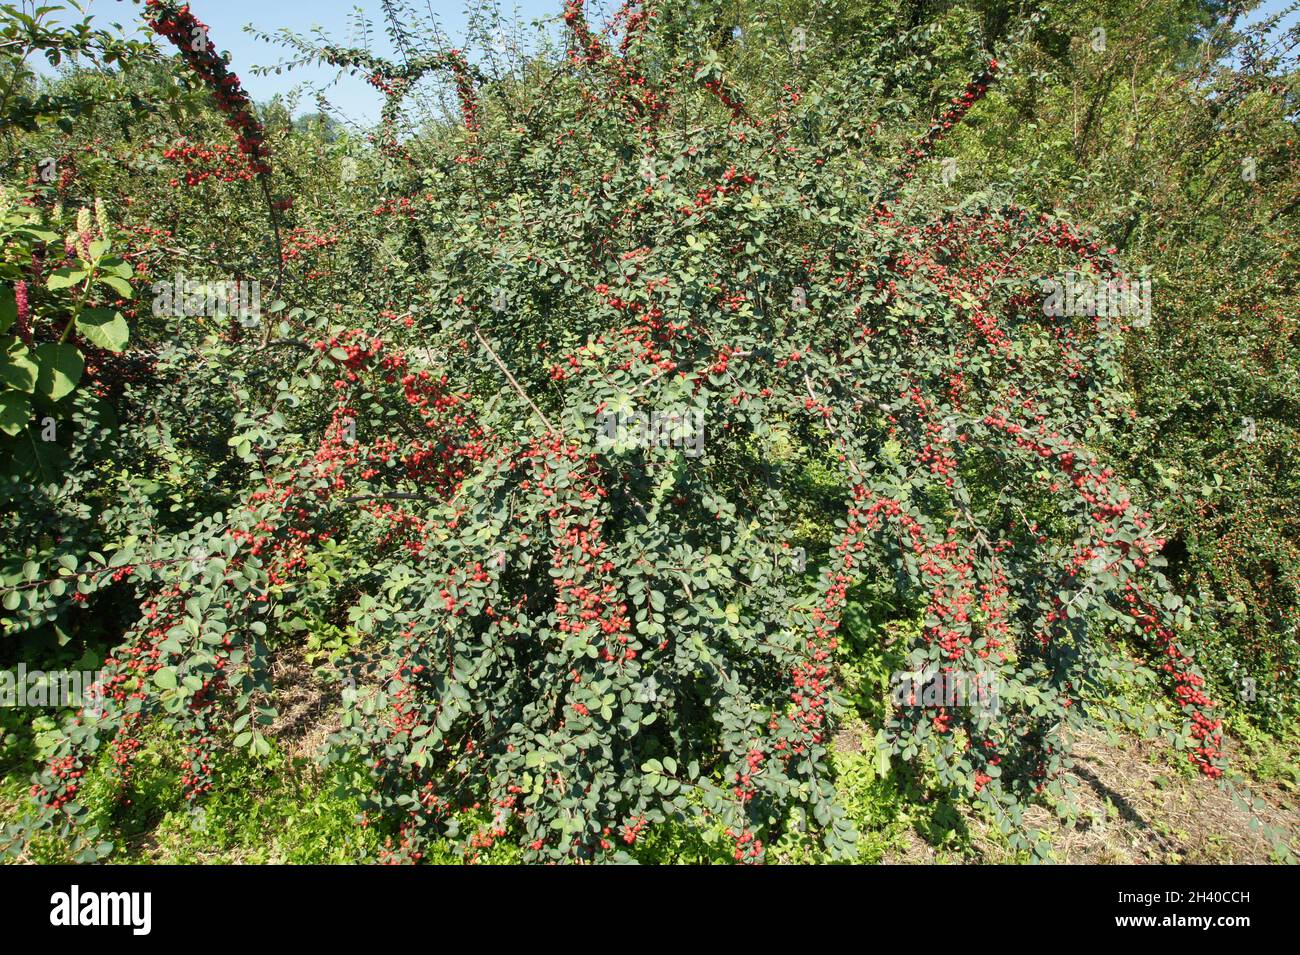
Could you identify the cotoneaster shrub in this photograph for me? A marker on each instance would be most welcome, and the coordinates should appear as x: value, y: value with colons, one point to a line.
x: 585, y: 638
x: 1186, y: 156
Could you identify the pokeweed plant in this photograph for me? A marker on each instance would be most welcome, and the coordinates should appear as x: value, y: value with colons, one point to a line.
x: 577, y: 619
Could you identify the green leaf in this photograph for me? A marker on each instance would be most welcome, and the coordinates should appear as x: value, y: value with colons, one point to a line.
x: 120, y: 286
x: 15, y: 411
x: 104, y: 328
x: 17, y: 370
x: 43, y: 461
x: 40, y: 235
x: 882, y: 754
x: 65, y: 278
x: 59, y: 368
x: 166, y: 678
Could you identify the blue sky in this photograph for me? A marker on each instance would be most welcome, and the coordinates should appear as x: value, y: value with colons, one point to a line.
x: 352, y: 97
x: 226, y: 20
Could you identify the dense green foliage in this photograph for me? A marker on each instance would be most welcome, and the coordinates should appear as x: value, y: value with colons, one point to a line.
x: 421, y: 459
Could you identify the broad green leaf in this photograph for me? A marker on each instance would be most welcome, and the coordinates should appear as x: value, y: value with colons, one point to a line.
x: 59, y: 368
x: 118, y: 285
x: 17, y: 370
x: 15, y: 411
x: 104, y: 328
x: 42, y: 461
x: 65, y: 278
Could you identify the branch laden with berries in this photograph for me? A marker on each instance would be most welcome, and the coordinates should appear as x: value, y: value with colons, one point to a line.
x: 182, y: 29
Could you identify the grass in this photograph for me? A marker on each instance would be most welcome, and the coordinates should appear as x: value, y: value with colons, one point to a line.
x: 267, y: 810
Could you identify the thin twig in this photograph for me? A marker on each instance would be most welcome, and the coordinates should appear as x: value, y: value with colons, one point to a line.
x: 511, y: 378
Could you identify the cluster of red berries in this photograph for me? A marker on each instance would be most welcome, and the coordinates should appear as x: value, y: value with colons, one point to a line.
x: 954, y: 114
x: 301, y: 241
x: 202, y: 163
x: 67, y: 771
x: 635, y: 18
x: 188, y: 35
x: 727, y: 96
x: 634, y: 91
x: 464, y: 89
x: 1188, y: 685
